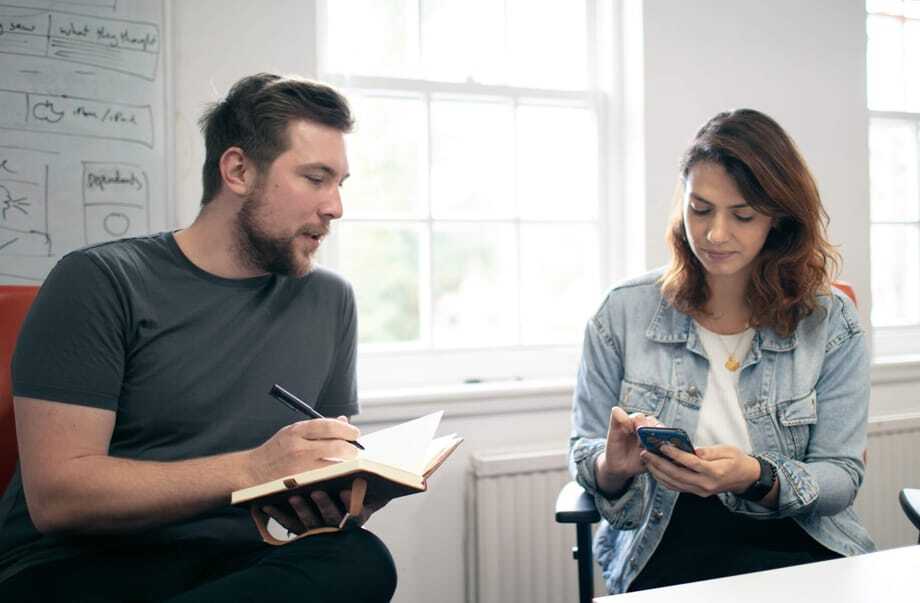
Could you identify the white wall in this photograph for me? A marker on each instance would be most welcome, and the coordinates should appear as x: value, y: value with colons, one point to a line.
x: 214, y: 44
x: 801, y: 62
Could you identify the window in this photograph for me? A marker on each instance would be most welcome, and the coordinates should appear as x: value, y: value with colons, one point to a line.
x: 893, y: 63
x: 473, y: 224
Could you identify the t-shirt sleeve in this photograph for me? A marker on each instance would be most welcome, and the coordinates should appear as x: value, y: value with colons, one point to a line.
x: 72, y: 345
x: 340, y: 392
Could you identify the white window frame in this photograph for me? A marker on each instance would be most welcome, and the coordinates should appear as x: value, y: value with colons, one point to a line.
x: 394, y: 368
x: 895, y: 342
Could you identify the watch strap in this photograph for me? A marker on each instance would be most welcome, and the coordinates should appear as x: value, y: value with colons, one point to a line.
x: 763, y: 484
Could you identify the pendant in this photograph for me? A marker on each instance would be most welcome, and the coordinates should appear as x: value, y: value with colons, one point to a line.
x: 731, y: 364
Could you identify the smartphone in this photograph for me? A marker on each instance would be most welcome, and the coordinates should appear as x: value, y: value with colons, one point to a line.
x: 652, y: 438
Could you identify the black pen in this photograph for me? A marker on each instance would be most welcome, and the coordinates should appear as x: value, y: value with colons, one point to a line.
x: 293, y: 402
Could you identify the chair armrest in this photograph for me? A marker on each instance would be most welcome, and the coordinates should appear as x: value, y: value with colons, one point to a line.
x: 910, y: 502
x: 574, y: 505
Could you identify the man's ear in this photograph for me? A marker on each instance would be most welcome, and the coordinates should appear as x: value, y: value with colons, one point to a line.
x: 237, y: 171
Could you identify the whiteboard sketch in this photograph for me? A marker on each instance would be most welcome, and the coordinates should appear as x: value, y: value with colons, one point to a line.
x: 129, y: 47
x: 23, y: 203
x: 114, y: 201
x: 82, y: 126
x: 109, y: 4
x: 76, y: 116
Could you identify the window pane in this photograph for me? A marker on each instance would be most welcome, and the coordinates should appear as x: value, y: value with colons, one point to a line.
x: 548, y: 43
x: 382, y: 263
x: 470, y: 158
x: 893, y: 167
x: 557, y: 163
x: 905, y: 8
x: 912, y: 9
x: 475, y: 285
x: 885, y: 63
x: 370, y: 37
x: 387, y: 158
x: 559, y: 266
x: 888, y: 7
x: 447, y: 53
x: 895, y: 275
x: 912, y: 65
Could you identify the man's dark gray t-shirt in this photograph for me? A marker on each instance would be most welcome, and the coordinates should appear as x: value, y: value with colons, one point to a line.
x: 185, y: 359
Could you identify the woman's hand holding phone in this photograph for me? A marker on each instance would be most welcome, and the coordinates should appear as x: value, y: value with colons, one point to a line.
x: 621, y: 459
x: 713, y: 469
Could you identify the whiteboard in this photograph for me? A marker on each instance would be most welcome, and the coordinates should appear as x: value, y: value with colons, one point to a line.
x: 82, y: 128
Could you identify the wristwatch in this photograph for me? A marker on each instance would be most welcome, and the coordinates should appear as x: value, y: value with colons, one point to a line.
x: 763, y: 484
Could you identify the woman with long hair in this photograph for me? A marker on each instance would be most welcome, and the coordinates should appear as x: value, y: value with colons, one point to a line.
x: 743, y: 343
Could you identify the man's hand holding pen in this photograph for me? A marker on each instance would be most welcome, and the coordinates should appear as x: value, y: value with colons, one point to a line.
x: 303, y: 446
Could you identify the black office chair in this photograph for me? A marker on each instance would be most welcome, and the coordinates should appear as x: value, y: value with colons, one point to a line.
x: 574, y: 505
x: 910, y: 502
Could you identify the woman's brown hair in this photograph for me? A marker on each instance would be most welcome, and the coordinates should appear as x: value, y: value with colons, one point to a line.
x: 796, y: 262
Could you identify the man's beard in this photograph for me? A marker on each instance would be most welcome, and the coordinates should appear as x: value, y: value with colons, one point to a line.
x: 262, y: 251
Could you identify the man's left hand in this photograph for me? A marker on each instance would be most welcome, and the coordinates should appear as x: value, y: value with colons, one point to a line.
x: 301, y: 516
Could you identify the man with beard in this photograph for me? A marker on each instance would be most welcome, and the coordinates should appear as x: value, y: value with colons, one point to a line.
x: 141, y: 376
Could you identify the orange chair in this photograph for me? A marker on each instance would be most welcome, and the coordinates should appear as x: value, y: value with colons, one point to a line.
x: 846, y: 288
x: 14, y: 305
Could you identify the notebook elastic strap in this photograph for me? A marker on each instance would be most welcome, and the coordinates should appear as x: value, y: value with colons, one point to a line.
x: 355, y: 507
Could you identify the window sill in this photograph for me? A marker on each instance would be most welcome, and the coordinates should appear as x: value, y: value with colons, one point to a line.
x: 480, y: 399
x: 896, y: 369
x: 504, y: 397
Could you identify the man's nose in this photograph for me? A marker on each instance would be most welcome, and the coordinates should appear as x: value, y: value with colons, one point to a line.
x: 332, y: 205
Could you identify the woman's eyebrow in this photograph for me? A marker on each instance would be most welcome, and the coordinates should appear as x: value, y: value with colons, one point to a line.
x: 708, y: 202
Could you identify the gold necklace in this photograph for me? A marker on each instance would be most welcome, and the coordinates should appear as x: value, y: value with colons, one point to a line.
x: 732, y: 364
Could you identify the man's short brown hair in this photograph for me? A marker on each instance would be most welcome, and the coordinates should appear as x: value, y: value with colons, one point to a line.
x: 255, y: 114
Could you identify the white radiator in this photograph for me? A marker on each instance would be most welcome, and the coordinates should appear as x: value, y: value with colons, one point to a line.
x: 515, y: 549
x: 517, y: 552
x: 893, y: 463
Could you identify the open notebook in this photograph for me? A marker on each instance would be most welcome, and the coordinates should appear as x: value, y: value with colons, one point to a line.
x: 396, y: 461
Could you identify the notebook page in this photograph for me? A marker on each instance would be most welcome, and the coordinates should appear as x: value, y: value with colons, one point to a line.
x: 404, y: 445
x: 435, y: 447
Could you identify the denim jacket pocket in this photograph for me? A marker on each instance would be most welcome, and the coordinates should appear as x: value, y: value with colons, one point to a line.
x: 796, y: 416
x: 639, y: 397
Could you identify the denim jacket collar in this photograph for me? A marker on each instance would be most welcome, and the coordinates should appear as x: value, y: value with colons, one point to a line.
x: 670, y: 326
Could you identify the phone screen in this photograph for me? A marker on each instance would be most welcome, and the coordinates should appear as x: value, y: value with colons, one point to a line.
x: 652, y: 438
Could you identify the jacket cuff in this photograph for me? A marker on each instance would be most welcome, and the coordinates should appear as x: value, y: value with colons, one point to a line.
x: 622, y: 511
x: 798, y: 491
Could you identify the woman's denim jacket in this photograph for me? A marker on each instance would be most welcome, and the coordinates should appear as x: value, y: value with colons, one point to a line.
x: 805, y: 399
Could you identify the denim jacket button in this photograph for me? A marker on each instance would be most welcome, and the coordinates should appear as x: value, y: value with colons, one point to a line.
x: 657, y: 515
x: 693, y: 391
